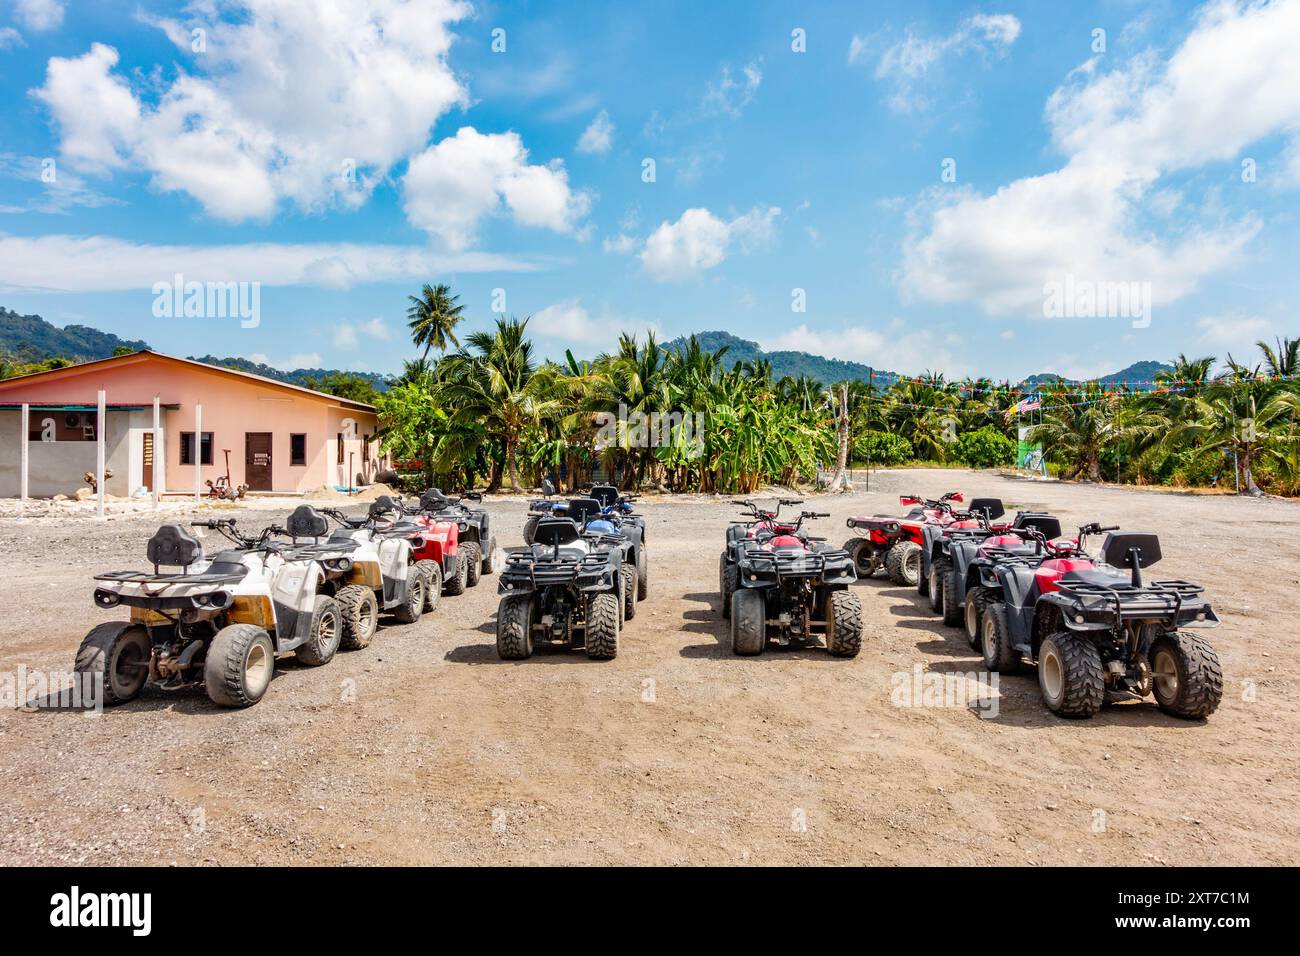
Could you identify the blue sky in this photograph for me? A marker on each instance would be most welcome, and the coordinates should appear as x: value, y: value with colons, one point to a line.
x: 342, y: 153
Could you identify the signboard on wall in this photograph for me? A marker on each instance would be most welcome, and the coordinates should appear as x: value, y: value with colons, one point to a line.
x: 1029, y: 456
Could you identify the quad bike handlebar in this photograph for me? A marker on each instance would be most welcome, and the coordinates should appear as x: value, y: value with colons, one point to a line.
x: 226, y: 528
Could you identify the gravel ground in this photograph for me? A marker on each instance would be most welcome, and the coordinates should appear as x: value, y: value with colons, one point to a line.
x: 675, y: 752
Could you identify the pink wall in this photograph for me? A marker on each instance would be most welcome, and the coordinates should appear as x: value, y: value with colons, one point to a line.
x: 232, y: 406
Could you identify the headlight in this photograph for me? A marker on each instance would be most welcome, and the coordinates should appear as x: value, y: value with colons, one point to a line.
x: 201, y: 600
x: 462, y: 526
x: 107, y: 598
x: 1078, y: 619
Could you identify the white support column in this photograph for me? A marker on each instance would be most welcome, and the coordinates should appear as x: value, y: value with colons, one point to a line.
x: 198, y: 452
x: 24, y: 425
x: 101, y: 426
x: 157, y: 451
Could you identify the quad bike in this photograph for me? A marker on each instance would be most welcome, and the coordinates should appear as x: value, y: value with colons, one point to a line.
x: 595, y: 521
x: 220, y: 621
x: 948, y: 551
x: 1098, y: 631
x: 477, y: 549
x: 795, y: 588
x: 613, y: 504
x: 567, y: 589
x: 894, y: 543
x: 436, y: 541
x: 381, y: 573
x: 763, y: 521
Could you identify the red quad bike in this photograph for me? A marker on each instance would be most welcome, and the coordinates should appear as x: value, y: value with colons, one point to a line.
x: 441, y: 545
x: 794, y: 588
x: 764, y: 522
x: 1099, y: 632
x: 894, y: 543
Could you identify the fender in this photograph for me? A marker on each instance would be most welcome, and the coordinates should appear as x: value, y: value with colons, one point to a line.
x: 293, y: 598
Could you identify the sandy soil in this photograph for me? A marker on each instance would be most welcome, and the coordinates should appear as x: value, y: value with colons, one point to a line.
x: 675, y: 752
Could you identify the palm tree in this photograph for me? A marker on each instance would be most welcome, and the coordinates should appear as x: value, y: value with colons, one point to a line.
x: 433, y: 316
x: 1284, y: 360
x: 493, y: 381
x: 1076, y: 426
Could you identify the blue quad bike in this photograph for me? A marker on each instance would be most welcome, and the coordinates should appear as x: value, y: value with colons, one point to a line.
x: 1099, y: 632
x: 573, y: 586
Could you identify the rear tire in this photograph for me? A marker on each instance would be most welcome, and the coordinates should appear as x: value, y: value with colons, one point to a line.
x: 325, y: 635
x: 515, y: 627
x: 1070, y: 675
x: 359, y: 610
x: 628, y: 573
x: 748, y: 622
x: 601, y: 637
x: 843, y: 624
x: 728, y: 581
x: 239, y: 665
x: 1196, y: 688
x: 530, y: 529
x: 490, y: 563
x: 119, y: 653
x: 861, y: 551
x: 903, y: 563
x: 409, y: 611
x: 432, y: 572
x: 995, y: 641
x: 642, y: 572
x: 473, y: 557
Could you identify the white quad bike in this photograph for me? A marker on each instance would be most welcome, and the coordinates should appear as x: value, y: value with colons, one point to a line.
x: 381, y: 571
x: 220, y: 621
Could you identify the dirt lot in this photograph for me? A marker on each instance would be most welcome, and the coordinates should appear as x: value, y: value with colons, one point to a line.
x: 675, y: 752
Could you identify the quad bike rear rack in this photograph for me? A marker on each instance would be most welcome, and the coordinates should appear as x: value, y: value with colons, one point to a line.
x: 553, y: 570
x: 144, y: 577
x: 1162, y: 598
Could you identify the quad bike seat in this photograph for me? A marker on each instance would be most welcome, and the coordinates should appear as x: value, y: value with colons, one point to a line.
x: 558, y: 531
x: 306, y: 522
x: 173, y: 546
x: 584, y: 509
x: 607, y: 495
x: 992, y: 507
x: 1049, y: 526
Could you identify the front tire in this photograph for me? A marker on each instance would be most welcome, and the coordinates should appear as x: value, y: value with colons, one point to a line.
x: 995, y: 640
x: 432, y: 572
x: 120, y: 653
x: 1070, y: 676
x: 325, y: 634
x: 748, y: 622
x: 359, y: 610
x: 473, y: 557
x: 728, y: 581
x: 952, y: 608
x: 642, y: 572
x: 530, y: 529
x: 515, y: 627
x: 1193, y: 683
x: 843, y: 624
x: 239, y: 665
x: 491, y: 563
x: 903, y: 563
x: 601, y: 637
x: 973, y: 616
x: 409, y: 611
x: 934, y: 590
x: 458, y: 580
x: 861, y: 551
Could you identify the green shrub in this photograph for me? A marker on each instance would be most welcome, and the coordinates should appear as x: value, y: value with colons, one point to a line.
x: 983, y: 448
x: 881, y: 448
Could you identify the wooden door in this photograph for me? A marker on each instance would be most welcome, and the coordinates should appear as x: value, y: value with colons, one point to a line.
x: 257, y: 461
x: 148, y: 460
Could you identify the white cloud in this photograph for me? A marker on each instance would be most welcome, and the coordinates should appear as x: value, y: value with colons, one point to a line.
x: 10, y: 38
x: 40, y: 15
x: 376, y: 329
x: 906, y: 63
x: 570, y: 322
x: 728, y: 95
x: 1233, y: 331
x: 347, y: 335
x: 1234, y: 80
x: 66, y: 191
x: 599, y: 136
x: 700, y: 240
x: 900, y: 347
x: 622, y: 244
x: 61, y: 263
x: 291, y: 364
x: 450, y: 187
x: 311, y: 102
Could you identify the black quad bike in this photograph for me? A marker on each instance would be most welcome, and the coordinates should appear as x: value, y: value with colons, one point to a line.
x: 566, y: 589
x: 794, y: 588
x: 218, y: 621
x: 761, y: 521
x: 477, y: 546
x: 1099, y: 632
x: 949, y: 551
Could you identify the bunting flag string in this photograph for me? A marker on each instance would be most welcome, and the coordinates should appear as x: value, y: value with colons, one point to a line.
x: 1066, y: 387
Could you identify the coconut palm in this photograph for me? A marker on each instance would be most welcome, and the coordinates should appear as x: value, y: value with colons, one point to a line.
x: 433, y: 315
